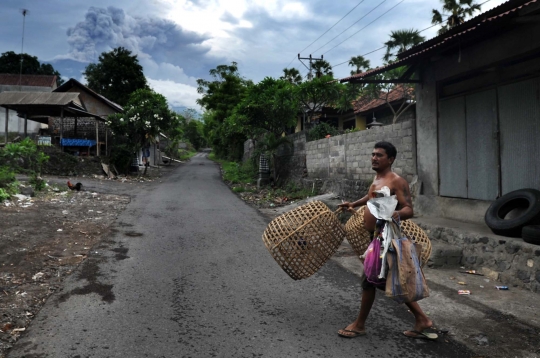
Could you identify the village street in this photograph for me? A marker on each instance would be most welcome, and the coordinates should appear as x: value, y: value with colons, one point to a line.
x: 185, y: 274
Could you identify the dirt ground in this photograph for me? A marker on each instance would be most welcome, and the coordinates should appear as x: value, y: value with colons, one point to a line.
x: 44, y: 238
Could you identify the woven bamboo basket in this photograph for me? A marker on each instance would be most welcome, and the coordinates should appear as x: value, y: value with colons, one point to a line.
x: 359, y: 238
x: 303, y: 239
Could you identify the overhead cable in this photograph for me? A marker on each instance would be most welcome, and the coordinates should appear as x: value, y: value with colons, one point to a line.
x: 351, y: 25
x: 327, y: 31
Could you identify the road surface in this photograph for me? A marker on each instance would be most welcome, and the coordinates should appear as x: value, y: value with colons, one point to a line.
x: 184, y: 273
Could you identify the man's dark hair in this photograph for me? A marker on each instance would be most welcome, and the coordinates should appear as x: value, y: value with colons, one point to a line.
x: 388, y: 147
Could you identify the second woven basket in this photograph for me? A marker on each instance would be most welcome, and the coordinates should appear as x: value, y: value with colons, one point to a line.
x: 303, y: 239
x: 359, y: 238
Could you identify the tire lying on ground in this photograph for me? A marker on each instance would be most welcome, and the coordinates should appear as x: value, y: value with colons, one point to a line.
x: 526, y: 200
x: 531, y: 234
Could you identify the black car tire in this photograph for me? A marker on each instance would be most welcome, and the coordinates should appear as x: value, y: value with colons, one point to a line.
x: 531, y: 234
x: 526, y: 199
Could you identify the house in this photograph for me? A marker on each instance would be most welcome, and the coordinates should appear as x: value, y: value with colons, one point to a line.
x: 367, y: 110
x: 85, y: 128
x: 477, y: 109
x: 23, y: 83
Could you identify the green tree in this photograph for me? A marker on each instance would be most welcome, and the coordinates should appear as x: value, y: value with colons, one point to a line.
x: 360, y: 63
x: 316, y: 94
x: 322, y: 68
x: 146, y: 114
x: 456, y: 12
x: 269, y: 106
x: 401, y: 40
x: 292, y: 75
x: 10, y: 62
x: 116, y: 75
x: 220, y: 97
x: 193, y: 133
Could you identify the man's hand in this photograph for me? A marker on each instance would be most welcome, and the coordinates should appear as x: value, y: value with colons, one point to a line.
x: 396, y: 216
x: 347, y: 206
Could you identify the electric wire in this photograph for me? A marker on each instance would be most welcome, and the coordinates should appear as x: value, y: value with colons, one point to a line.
x: 386, y: 12
x: 327, y: 30
x: 351, y: 25
x: 382, y: 47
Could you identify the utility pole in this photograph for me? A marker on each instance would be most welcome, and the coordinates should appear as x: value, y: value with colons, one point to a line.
x: 24, y: 12
x: 310, y: 68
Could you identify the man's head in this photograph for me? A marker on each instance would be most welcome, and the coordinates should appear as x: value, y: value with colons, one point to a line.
x: 383, y: 156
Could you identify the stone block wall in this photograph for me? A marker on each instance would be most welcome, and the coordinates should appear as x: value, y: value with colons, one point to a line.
x: 348, y: 156
x: 292, y: 159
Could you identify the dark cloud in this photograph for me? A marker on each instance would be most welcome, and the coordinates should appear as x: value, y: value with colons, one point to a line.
x: 161, y: 40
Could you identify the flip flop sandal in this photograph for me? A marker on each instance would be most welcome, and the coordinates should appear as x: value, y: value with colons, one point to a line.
x: 421, y: 335
x: 353, y: 334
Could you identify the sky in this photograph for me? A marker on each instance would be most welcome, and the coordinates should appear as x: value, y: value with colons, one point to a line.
x: 179, y: 41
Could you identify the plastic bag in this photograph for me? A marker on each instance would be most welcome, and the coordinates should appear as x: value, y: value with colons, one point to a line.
x: 405, y: 281
x: 373, y: 263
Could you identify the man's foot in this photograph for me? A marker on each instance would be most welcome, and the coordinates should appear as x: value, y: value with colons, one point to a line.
x: 421, y: 335
x: 351, y: 333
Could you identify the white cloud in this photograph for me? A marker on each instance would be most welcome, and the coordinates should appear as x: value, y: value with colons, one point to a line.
x: 177, y: 94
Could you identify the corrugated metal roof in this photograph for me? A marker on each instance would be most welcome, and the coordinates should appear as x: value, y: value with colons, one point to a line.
x: 9, y: 79
x: 38, y: 98
x: 490, y: 17
x: 73, y: 82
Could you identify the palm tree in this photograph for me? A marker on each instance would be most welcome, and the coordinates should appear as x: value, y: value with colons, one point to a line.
x: 322, y: 68
x: 402, y: 40
x: 456, y: 12
x: 292, y: 75
x: 360, y: 63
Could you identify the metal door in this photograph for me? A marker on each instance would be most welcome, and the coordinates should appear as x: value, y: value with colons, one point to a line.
x: 519, y: 116
x: 482, y: 146
x: 452, y: 148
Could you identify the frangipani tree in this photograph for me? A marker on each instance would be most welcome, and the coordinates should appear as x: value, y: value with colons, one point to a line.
x: 145, y: 116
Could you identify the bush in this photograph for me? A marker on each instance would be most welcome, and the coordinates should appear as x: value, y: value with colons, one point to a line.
x: 24, y: 157
x: 121, y: 157
x: 3, y: 195
x: 321, y: 131
x: 8, y: 183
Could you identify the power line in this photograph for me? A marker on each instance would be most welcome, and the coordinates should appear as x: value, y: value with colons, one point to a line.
x: 382, y: 47
x: 386, y: 12
x: 332, y: 26
x: 326, y: 31
x: 351, y: 25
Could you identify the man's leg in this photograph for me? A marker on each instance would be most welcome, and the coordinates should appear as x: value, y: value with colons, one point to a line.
x: 422, y: 321
x: 359, y: 325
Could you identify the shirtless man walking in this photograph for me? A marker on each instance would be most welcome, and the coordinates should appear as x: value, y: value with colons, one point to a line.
x: 382, y: 158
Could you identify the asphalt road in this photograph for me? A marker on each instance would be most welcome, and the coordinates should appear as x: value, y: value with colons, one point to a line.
x: 185, y: 273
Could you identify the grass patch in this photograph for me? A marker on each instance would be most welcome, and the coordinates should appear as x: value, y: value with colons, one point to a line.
x: 185, y: 154
x: 237, y: 173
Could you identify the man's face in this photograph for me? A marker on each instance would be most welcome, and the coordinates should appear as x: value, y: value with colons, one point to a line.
x: 380, y: 160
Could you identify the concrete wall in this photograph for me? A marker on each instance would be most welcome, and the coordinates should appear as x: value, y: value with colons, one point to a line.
x: 292, y: 159
x: 16, y: 124
x: 348, y: 156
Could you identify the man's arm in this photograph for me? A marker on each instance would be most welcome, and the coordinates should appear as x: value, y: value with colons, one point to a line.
x: 359, y: 202
x: 403, y: 196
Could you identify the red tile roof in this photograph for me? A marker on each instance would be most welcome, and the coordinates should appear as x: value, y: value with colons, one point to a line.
x: 457, y: 33
x: 364, y: 104
x: 9, y: 79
